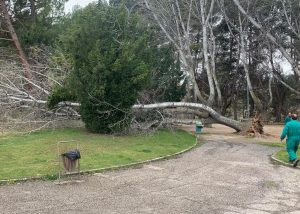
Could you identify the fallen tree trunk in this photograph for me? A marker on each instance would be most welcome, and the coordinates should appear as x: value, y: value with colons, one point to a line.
x: 195, y: 112
x: 212, y: 113
x: 215, y: 115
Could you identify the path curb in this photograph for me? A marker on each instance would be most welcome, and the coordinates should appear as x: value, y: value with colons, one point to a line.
x: 92, y: 171
x: 273, y: 157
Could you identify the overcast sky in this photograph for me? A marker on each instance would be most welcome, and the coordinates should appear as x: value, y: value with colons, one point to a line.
x: 71, y: 3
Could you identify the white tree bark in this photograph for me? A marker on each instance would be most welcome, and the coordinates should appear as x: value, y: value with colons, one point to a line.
x: 215, y: 115
x: 294, y: 28
x: 212, y: 48
x: 169, y: 16
x: 207, y: 64
x: 270, y: 37
x: 265, y: 64
x: 277, y: 76
x: 243, y: 57
x: 20, y: 108
x: 270, y: 91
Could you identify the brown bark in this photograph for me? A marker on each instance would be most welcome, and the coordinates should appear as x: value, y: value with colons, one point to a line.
x: 256, y: 127
x: 14, y: 36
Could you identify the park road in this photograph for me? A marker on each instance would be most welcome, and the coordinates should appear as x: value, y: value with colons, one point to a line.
x: 218, y: 177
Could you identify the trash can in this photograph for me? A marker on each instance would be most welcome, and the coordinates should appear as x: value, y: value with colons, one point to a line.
x: 70, y: 159
x: 199, y: 127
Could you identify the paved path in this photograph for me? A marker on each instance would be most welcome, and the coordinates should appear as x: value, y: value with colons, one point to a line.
x: 218, y: 177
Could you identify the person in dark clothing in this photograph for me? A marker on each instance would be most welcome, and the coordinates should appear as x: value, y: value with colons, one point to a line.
x: 292, y: 132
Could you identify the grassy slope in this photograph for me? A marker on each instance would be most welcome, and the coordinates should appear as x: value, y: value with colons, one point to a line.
x: 36, y: 154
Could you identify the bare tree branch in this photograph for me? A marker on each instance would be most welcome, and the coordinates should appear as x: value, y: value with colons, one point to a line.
x: 270, y: 37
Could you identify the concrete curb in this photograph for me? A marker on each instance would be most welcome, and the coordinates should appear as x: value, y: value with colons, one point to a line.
x: 273, y: 157
x: 112, y: 168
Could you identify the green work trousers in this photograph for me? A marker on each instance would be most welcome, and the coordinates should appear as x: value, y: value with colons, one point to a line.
x: 292, y: 147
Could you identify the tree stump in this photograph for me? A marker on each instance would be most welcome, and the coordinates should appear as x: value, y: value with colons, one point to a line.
x: 256, y: 127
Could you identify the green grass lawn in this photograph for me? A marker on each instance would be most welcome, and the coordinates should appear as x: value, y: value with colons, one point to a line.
x: 272, y: 144
x: 283, y: 155
x: 35, y: 155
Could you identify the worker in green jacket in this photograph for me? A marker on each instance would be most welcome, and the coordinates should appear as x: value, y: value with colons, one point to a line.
x: 288, y: 118
x: 292, y: 132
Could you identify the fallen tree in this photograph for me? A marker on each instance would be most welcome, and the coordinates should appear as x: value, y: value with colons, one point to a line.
x: 213, y: 114
x: 19, y: 106
x: 238, y: 126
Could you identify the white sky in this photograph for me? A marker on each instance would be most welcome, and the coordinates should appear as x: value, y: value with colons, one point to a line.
x: 71, y: 3
x: 283, y: 63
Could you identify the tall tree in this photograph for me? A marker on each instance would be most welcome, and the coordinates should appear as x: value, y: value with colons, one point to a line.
x: 15, y: 39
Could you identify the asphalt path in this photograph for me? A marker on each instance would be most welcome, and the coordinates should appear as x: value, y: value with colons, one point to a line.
x: 218, y: 177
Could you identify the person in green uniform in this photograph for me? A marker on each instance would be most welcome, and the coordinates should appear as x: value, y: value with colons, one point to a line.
x: 292, y: 132
x: 288, y: 118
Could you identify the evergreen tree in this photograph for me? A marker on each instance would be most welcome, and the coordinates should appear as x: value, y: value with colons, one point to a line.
x: 110, y: 56
x: 167, y: 83
x: 36, y: 20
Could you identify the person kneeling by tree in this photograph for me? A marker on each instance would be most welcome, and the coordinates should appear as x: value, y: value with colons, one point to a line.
x: 292, y: 132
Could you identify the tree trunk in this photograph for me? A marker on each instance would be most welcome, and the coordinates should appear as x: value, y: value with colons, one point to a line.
x: 21, y: 54
x: 270, y: 37
x: 33, y: 12
x: 212, y: 48
x: 243, y: 56
x: 205, y: 53
x: 270, y: 91
x: 234, y: 106
x: 277, y: 76
x: 215, y: 115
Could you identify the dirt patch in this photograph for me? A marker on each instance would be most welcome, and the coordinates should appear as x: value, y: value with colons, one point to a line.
x: 272, y: 133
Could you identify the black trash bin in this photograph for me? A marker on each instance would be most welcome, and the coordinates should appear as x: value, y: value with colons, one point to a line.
x: 70, y: 159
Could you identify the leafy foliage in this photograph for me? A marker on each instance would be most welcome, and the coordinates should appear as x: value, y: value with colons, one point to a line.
x: 109, y: 52
x: 167, y: 78
x: 37, y: 20
x: 60, y: 94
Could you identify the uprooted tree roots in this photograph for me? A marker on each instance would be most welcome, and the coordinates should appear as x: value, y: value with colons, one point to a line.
x: 256, y: 126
